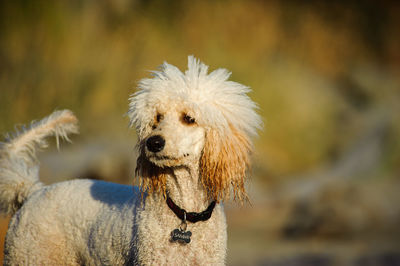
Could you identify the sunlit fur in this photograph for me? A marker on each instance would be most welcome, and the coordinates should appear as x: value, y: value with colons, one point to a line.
x: 18, y: 159
x: 220, y: 106
x: 224, y: 163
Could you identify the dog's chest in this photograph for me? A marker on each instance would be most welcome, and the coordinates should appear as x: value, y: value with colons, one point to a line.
x: 207, y: 244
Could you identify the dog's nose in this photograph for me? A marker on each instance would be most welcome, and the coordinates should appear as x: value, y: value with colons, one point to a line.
x: 155, y: 143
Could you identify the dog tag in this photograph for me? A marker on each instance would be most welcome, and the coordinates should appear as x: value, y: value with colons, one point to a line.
x: 181, y: 236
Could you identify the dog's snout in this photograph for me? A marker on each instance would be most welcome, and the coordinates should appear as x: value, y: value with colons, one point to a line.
x: 155, y: 143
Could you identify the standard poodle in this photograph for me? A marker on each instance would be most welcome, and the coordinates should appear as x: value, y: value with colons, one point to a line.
x: 194, y: 141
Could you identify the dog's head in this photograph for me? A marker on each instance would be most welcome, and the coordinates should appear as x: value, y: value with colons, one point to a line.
x: 194, y: 118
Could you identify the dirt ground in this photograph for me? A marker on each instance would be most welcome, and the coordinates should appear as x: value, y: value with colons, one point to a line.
x: 3, y: 229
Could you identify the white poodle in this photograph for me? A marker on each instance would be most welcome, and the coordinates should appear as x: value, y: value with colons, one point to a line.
x: 194, y: 132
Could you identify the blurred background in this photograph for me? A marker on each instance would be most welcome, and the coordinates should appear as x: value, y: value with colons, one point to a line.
x: 326, y: 75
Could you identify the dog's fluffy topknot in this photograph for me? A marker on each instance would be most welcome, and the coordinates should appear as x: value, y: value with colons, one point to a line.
x: 212, y: 99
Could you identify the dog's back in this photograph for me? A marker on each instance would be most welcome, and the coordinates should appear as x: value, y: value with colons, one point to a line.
x: 49, y: 226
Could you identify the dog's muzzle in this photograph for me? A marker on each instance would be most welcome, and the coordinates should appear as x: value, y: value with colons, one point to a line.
x: 155, y: 143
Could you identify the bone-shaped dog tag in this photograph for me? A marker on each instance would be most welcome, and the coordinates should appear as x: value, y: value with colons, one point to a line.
x: 178, y: 235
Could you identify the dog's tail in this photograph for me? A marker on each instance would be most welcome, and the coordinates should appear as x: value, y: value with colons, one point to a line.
x: 19, y: 168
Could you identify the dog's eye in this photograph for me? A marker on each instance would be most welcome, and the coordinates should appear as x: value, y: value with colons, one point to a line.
x: 159, y: 117
x: 188, y: 119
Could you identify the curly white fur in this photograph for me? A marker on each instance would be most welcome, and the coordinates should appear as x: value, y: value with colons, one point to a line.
x: 211, y: 98
x: 19, y: 172
x: 194, y: 133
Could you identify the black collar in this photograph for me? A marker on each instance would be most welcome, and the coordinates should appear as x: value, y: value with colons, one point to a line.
x: 191, y: 216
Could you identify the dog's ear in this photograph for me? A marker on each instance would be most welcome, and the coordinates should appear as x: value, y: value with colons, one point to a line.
x: 224, y: 164
x: 151, y: 177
